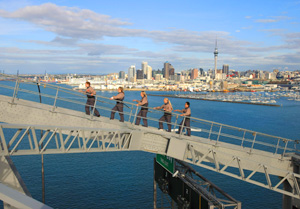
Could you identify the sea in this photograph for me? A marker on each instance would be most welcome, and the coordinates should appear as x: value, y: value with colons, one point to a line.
x: 125, y: 179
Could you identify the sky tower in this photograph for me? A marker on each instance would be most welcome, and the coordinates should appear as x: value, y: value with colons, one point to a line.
x: 216, y: 57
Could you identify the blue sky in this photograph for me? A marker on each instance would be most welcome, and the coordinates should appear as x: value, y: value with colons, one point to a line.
x: 108, y: 36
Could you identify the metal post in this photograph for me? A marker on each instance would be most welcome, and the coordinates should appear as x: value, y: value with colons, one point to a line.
x: 94, y: 107
x: 277, y: 146
x: 154, y: 186
x: 210, y: 130
x: 182, y: 125
x: 15, y: 90
x: 130, y: 113
x: 175, y: 123
x: 253, y: 141
x: 133, y: 122
x: 43, y: 174
x: 55, y: 100
x: 219, y: 134
x: 243, y: 139
x: 286, y: 142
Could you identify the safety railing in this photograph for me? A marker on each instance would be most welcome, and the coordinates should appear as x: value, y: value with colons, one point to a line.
x: 59, y: 96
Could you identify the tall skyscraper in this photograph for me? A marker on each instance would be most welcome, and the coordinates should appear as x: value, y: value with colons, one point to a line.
x: 149, y: 72
x: 225, y: 69
x: 194, y: 73
x: 121, y: 75
x: 168, y: 68
x: 139, y: 74
x: 216, y: 56
x: 131, y: 74
x: 144, y: 68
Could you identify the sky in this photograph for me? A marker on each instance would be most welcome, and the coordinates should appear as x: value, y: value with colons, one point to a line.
x: 99, y: 37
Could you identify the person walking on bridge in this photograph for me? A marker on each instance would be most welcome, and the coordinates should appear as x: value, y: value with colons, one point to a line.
x: 186, y: 113
x: 119, y: 105
x: 90, y: 93
x: 144, y: 109
x: 167, y: 108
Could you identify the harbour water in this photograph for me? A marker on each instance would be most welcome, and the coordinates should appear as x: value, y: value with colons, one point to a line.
x: 125, y: 179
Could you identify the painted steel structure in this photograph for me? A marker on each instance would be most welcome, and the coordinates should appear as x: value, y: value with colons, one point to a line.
x: 218, y: 147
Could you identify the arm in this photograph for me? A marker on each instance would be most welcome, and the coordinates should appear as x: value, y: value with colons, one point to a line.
x: 144, y: 101
x: 119, y: 96
x: 178, y: 111
x: 158, y: 108
x: 188, y: 112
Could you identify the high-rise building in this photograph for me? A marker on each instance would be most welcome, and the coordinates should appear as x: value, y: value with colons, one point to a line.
x: 121, y: 75
x: 144, y: 67
x: 216, y: 56
x: 166, y: 70
x: 194, y: 73
x: 201, y: 71
x: 225, y: 69
x: 149, y: 72
x: 131, y: 74
x: 139, y: 74
x: 171, y: 71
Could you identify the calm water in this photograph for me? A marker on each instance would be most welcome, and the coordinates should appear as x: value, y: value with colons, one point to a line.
x: 125, y: 179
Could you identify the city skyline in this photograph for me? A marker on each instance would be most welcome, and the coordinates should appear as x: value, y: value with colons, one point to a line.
x: 98, y: 37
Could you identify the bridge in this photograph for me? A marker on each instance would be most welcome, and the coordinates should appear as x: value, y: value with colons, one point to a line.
x: 236, y: 152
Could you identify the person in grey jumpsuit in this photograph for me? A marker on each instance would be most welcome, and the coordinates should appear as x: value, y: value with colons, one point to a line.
x: 186, y: 112
x: 167, y: 107
x: 90, y: 93
x: 119, y: 105
x: 144, y: 109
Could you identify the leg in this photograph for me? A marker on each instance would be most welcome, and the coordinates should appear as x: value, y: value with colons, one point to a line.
x: 188, y: 126
x: 96, y: 112
x: 87, y: 107
x: 138, y: 118
x: 92, y: 103
x: 113, y: 111
x: 144, y: 115
x: 179, y: 128
x: 169, y: 122
x: 120, y: 109
x: 161, y: 120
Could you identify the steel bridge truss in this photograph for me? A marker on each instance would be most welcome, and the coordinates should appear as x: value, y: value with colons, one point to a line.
x: 28, y: 140
x: 235, y: 167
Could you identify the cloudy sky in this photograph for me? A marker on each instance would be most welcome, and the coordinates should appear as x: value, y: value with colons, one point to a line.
x: 108, y: 36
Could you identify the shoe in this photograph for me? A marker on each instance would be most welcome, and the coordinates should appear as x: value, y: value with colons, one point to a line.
x: 98, y: 116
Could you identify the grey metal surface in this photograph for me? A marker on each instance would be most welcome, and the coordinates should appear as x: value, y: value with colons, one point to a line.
x: 18, y: 200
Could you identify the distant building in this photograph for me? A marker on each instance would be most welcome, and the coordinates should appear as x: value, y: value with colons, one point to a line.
x: 167, y: 68
x: 194, y: 74
x: 154, y: 72
x: 132, y: 74
x: 158, y: 77
x: 171, y: 71
x: 139, y: 74
x: 121, y: 75
x: 201, y: 71
x: 144, y: 68
x: 225, y: 69
x: 149, y: 72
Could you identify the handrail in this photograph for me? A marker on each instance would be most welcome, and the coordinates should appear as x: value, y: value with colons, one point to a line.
x: 280, y: 144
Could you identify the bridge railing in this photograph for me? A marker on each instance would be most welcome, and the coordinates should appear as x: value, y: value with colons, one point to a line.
x: 59, y: 96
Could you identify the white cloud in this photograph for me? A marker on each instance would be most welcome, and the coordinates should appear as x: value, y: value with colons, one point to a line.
x: 72, y: 22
